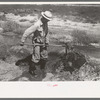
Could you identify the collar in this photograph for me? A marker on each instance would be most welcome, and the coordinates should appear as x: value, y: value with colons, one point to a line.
x: 41, y: 23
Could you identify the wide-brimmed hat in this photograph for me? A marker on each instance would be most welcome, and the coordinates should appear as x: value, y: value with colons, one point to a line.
x: 47, y: 15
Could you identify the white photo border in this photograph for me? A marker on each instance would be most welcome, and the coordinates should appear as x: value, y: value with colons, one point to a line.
x: 46, y: 89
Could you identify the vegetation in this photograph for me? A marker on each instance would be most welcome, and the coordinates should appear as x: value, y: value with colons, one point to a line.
x: 82, y: 37
x: 11, y: 26
x: 58, y: 63
x: 81, y: 13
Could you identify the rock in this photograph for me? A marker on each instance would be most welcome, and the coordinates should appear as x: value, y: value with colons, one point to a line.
x: 3, y: 52
x: 97, y: 45
x: 56, y: 79
x: 3, y: 48
x: 1, y: 39
x: 87, y: 72
x: 48, y: 77
x: 9, y: 71
x: 1, y: 30
x: 1, y: 14
x: 95, y: 61
x: 23, y: 79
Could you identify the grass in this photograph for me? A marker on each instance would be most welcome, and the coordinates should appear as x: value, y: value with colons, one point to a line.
x: 11, y: 26
x: 91, y: 14
x: 82, y: 37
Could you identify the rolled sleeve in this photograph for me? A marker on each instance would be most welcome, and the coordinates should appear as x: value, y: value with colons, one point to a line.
x: 47, y: 38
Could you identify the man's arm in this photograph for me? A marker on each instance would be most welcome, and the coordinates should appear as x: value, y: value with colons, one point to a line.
x: 47, y: 38
x: 28, y: 32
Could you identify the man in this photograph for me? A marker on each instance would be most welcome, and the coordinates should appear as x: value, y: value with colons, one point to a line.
x: 40, y: 36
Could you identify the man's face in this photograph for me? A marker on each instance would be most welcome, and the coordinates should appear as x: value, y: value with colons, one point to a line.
x: 44, y: 20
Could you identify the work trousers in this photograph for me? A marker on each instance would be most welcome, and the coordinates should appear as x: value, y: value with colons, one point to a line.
x: 39, y: 52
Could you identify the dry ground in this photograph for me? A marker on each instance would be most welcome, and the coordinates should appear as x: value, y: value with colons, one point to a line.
x: 68, y: 20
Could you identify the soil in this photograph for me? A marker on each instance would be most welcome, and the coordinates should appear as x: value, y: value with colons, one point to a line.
x: 64, y: 22
x: 53, y: 60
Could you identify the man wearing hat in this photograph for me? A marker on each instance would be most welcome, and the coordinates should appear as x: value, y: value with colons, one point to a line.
x: 40, y: 36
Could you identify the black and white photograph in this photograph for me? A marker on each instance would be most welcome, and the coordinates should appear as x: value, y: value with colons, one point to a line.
x: 49, y: 42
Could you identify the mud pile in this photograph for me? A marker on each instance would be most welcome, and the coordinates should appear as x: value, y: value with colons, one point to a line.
x: 75, y: 67
x: 65, y: 66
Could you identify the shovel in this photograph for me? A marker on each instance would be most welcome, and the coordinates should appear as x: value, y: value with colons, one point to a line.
x: 36, y: 44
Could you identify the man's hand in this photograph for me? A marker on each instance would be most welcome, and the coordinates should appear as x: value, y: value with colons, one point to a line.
x: 46, y: 44
x: 22, y: 44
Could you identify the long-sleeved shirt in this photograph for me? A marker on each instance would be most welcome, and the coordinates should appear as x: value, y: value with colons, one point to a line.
x: 39, y: 31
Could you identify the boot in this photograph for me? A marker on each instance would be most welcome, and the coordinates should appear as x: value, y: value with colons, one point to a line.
x: 43, y: 73
x: 42, y: 67
x: 42, y: 63
x: 32, y: 68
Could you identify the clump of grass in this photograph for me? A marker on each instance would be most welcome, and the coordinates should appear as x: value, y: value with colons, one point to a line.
x: 81, y: 37
x: 94, y: 38
x: 11, y: 26
x: 19, y: 30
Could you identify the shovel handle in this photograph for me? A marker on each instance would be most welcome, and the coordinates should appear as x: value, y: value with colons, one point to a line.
x: 43, y: 45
